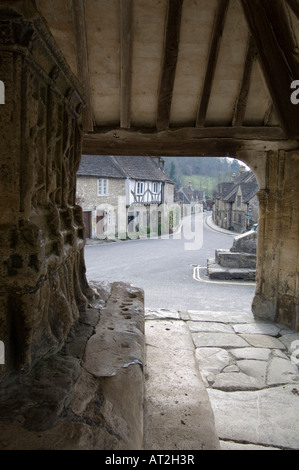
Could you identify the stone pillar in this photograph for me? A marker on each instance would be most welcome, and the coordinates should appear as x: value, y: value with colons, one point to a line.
x: 41, y: 229
x: 277, y: 292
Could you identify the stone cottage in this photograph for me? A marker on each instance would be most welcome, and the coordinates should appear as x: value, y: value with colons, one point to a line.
x: 187, y: 196
x: 236, y: 203
x: 117, y: 194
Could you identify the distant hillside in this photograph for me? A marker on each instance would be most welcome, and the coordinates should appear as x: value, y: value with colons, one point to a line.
x: 203, y: 172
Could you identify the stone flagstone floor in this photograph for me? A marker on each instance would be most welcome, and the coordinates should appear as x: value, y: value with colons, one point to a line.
x: 250, y: 370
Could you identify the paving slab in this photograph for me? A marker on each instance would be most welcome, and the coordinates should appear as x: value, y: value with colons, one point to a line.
x: 221, y: 340
x: 178, y: 413
x: 257, y: 328
x: 220, y: 316
x: 263, y: 341
x: 261, y: 354
x: 254, y: 368
x: 233, y: 381
x: 162, y: 313
x: 282, y: 371
x: 212, y: 327
x: 265, y: 417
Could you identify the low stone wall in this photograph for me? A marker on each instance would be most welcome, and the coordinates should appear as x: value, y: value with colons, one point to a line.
x: 88, y: 396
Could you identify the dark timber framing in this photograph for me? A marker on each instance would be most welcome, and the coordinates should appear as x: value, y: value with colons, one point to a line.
x: 278, y: 72
x: 188, y: 141
x: 212, y: 61
x: 82, y: 61
x: 171, y: 51
x: 294, y: 5
x: 241, y: 103
x: 126, y: 17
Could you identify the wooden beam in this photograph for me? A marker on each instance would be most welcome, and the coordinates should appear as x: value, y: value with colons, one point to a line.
x: 126, y: 15
x: 294, y: 5
x: 268, y: 113
x: 82, y: 61
x: 280, y: 19
x: 241, y: 103
x: 277, y: 70
x: 212, y: 61
x: 185, y: 141
x: 170, y: 57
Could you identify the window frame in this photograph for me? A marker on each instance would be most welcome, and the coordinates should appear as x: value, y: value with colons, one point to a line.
x: 155, y: 187
x: 140, y: 188
x: 102, y: 187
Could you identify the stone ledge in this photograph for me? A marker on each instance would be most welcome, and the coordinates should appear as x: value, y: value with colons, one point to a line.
x: 88, y: 396
x: 216, y: 271
x: 229, y: 259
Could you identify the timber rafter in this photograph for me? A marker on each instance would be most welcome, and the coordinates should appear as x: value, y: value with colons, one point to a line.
x: 82, y: 61
x: 126, y: 14
x: 212, y: 61
x: 269, y: 32
x: 241, y: 103
x: 170, y: 57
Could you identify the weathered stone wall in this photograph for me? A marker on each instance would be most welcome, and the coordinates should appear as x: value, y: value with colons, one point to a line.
x: 87, y: 192
x: 41, y: 230
x: 277, y: 293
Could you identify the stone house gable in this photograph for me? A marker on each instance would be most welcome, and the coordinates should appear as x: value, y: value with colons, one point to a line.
x: 236, y: 203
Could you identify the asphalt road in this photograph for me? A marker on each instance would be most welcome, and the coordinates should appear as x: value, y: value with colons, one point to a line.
x: 172, y: 271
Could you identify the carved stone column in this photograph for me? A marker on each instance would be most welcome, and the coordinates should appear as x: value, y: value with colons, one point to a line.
x: 42, y: 272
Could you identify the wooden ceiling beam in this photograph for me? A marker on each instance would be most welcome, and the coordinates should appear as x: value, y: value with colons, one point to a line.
x: 126, y: 17
x: 185, y: 141
x: 294, y: 5
x: 212, y: 61
x: 82, y: 62
x: 279, y: 17
x: 278, y: 72
x: 241, y: 103
x: 170, y: 57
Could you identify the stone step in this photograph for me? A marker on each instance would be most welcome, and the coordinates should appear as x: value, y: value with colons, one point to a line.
x: 229, y: 259
x: 216, y: 271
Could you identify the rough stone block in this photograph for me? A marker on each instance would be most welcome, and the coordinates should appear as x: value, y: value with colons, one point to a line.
x: 83, y: 397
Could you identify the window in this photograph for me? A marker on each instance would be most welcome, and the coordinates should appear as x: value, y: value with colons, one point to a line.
x: 239, y: 201
x: 140, y: 186
x: 103, y: 187
x: 155, y: 188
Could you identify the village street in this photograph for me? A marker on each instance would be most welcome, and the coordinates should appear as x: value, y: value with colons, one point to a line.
x: 166, y: 269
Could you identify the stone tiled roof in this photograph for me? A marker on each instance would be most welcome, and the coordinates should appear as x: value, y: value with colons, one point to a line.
x: 107, y: 166
x: 100, y: 166
x: 142, y: 168
x: 249, y: 187
x: 249, y: 190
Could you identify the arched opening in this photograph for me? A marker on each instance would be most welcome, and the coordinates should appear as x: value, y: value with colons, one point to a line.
x: 168, y: 266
